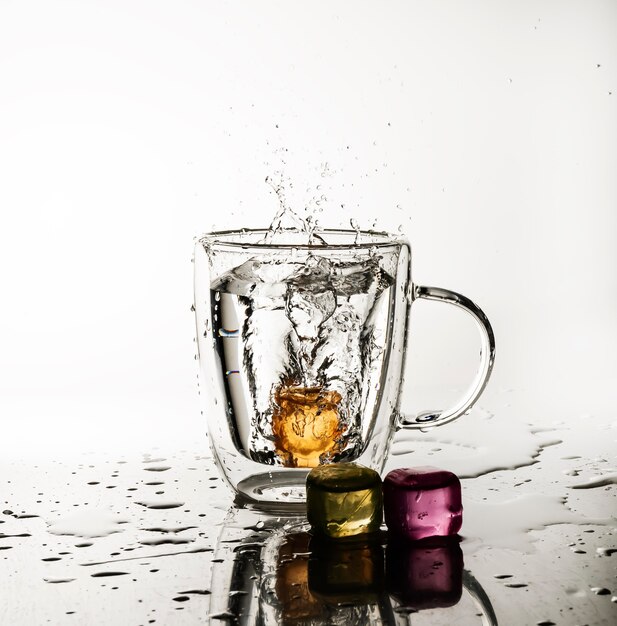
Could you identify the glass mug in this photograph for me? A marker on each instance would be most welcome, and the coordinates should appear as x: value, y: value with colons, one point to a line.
x: 301, y: 351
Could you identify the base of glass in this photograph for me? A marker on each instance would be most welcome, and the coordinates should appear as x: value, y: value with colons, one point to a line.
x: 274, y: 492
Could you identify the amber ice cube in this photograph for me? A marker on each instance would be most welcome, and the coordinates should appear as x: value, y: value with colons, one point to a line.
x: 306, y: 425
x: 344, y: 500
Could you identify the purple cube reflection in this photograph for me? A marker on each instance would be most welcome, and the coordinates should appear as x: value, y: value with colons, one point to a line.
x: 425, y: 574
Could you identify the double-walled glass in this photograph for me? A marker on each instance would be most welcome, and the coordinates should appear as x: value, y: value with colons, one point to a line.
x: 301, y: 352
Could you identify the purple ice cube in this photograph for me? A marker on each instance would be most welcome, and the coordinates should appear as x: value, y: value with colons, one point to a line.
x: 422, y: 502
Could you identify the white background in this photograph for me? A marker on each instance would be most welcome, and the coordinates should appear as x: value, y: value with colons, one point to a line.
x: 486, y: 129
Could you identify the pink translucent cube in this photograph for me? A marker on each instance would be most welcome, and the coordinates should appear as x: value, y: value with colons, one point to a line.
x: 422, y: 502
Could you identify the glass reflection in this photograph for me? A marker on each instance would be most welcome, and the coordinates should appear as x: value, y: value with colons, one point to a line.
x: 272, y: 571
x: 295, y: 602
x: 323, y: 582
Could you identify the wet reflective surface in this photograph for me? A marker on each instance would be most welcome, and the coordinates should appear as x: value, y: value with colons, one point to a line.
x: 155, y: 539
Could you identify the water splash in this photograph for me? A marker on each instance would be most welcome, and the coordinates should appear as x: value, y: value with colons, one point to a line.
x: 286, y: 218
x: 601, y: 591
x: 159, y: 505
x: 475, y: 446
x: 507, y: 524
x: 597, y: 481
x: 56, y: 581
x: 157, y: 468
x: 88, y: 523
x: 169, y: 529
x: 149, y: 556
x: 165, y: 540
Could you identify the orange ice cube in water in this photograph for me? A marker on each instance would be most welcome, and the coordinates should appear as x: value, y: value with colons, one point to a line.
x: 306, y: 424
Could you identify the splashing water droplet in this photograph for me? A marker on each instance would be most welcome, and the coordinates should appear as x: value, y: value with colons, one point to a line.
x: 153, y: 504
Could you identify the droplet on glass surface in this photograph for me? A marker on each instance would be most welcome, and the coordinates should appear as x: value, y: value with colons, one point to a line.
x: 601, y: 591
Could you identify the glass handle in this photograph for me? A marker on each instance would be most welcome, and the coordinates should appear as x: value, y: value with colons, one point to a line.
x: 480, y: 599
x: 427, y: 419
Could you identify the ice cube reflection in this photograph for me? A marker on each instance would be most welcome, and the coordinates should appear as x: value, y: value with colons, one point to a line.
x: 425, y: 574
x: 272, y: 571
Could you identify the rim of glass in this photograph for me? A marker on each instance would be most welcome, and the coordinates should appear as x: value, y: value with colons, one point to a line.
x: 238, y: 239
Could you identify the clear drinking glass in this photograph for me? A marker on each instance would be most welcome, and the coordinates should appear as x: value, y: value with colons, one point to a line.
x: 301, y: 352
